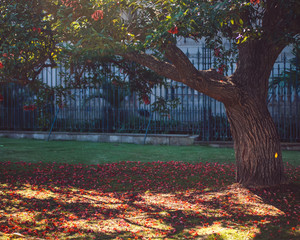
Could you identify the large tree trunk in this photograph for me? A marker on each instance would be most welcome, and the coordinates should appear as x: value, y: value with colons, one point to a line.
x: 244, y: 94
x: 256, y: 143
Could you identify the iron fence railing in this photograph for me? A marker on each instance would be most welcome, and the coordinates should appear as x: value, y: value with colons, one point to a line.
x: 108, y: 108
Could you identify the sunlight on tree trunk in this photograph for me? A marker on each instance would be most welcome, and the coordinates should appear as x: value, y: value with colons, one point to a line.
x: 257, y: 145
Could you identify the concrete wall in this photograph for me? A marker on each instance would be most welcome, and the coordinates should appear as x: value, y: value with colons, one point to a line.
x: 163, y: 139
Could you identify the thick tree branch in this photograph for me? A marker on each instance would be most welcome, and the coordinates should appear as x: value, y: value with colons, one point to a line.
x: 182, y: 70
x: 160, y: 67
x: 180, y: 60
x: 208, y: 82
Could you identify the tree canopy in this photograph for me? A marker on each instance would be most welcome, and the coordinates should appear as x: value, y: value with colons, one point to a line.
x: 120, y: 26
x: 146, y: 32
x: 27, y: 42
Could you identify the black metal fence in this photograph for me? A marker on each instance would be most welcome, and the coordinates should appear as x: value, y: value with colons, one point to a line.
x: 108, y: 108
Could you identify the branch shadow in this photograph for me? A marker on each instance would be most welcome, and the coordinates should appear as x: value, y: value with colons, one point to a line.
x: 286, y: 198
x: 78, y: 195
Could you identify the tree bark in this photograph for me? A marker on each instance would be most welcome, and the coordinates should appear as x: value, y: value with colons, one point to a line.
x: 256, y: 143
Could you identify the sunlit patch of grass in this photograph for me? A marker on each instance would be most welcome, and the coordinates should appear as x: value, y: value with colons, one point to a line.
x: 141, y: 200
x: 218, y: 232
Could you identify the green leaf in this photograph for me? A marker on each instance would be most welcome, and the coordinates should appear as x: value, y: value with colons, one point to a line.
x: 148, y: 37
x: 245, y: 39
x: 186, y: 12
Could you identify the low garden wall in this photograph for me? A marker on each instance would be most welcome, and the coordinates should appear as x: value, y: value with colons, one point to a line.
x: 155, y: 139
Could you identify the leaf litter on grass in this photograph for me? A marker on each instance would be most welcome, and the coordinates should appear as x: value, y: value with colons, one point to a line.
x: 134, y: 200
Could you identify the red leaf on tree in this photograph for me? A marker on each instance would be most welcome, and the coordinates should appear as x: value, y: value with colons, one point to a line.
x: 98, y: 14
x: 1, y: 65
x: 146, y: 100
x: 36, y: 29
x: 255, y: 1
x: 29, y: 107
x: 220, y: 70
x: 173, y: 30
x: 6, y: 55
x: 72, y: 4
x: 217, y: 52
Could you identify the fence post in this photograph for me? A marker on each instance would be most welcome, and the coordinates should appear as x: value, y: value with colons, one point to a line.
x: 53, y: 123
x: 148, y: 126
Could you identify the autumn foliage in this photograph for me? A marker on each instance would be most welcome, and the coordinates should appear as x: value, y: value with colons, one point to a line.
x: 255, y: 1
x: 146, y: 100
x: 98, y: 14
x: 31, y: 107
x: 169, y: 200
x: 173, y: 30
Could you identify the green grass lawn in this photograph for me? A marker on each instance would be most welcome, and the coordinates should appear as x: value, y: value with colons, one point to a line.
x: 97, y: 153
x: 83, y: 190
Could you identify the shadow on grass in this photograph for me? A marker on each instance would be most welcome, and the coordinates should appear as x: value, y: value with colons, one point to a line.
x: 150, y: 201
x: 286, y: 198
